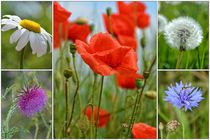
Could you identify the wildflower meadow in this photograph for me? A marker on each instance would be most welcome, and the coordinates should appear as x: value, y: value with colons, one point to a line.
x: 104, y: 83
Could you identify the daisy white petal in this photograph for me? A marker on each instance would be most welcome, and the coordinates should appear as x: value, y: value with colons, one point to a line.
x: 16, y: 35
x: 15, y: 18
x: 8, y: 27
x: 42, y: 46
x: 33, y: 42
x: 23, y: 40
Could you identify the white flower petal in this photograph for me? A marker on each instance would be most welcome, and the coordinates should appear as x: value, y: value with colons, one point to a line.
x: 8, y: 27
x: 48, y: 38
x: 15, y: 18
x: 23, y: 40
x: 16, y: 35
x: 42, y: 46
x: 33, y: 42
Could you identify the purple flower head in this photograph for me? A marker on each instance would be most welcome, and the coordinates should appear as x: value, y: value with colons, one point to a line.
x: 32, y: 100
x: 183, y: 96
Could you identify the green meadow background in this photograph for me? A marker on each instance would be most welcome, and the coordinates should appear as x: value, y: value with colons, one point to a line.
x: 167, y: 56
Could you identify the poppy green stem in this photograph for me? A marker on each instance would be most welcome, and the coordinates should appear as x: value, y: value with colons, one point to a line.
x: 99, y: 105
x: 179, y: 59
x: 67, y: 105
x: 76, y: 91
x: 92, y: 115
x: 22, y: 57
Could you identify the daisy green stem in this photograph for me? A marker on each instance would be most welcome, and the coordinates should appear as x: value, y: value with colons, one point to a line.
x: 22, y: 57
x: 99, y: 105
x: 198, y: 57
x: 76, y: 91
x: 179, y: 59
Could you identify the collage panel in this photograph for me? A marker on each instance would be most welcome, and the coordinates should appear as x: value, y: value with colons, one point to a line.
x: 26, y: 105
x: 105, y: 70
x: 183, y: 35
x: 183, y: 105
x: 26, y: 38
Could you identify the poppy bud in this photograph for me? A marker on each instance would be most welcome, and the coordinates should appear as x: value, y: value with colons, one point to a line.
x: 92, y: 27
x: 109, y: 11
x: 150, y: 94
x: 143, y: 42
x: 73, y: 48
x: 139, y: 83
x: 81, y: 21
x: 67, y: 73
x: 161, y: 126
x: 172, y: 125
x: 146, y: 74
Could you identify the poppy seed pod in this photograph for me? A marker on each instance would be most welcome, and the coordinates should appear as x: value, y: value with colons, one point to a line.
x: 139, y: 83
x: 161, y: 126
x: 73, y: 48
x: 67, y: 73
x: 150, y: 94
x: 81, y: 21
x: 109, y: 11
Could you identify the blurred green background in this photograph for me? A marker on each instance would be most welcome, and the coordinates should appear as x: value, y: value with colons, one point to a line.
x: 40, y: 12
x: 167, y: 56
x: 21, y: 126
x: 197, y: 121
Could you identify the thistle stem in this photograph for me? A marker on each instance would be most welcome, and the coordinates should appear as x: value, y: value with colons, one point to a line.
x: 67, y: 108
x: 179, y: 59
x: 76, y: 91
x: 37, y: 128
x: 99, y: 105
x: 21, y: 58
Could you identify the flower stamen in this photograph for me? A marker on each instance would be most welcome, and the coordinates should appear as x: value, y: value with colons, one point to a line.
x: 30, y: 25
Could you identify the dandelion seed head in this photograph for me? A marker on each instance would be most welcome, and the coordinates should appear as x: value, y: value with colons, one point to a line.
x: 183, y: 96
x: 32, y: 100
x: 162, y: 22
x: 183, y: 33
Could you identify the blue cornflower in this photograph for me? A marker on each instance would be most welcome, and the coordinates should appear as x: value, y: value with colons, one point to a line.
x: 183, y: 96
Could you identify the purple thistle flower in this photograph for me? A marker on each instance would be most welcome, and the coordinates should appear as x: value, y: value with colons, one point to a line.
x: 183, y: 95
x: 32, y: 100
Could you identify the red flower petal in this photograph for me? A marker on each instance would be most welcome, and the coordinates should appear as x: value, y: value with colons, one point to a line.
x: 104, y: 116
x: 128, y: 80
x: 143, y: 131
x: 120, y: 24
x: 143, y: 20
x: 127, y: 41
x: 106, y: 56
x: 60, y: 15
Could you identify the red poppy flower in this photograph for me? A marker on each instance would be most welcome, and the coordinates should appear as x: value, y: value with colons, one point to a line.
x: 131, y: 9
x: 104, y: 116
x: 60, y: 15
x: 78, y: 31
x: 120, y: 25
x: 143, y: 131
x: 128, y: 81
x: 106, y: 56
x: 143, y: 20
x: 127, y: 41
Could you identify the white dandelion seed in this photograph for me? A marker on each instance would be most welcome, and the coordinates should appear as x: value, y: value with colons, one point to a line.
x: 27, y: 32
x: 162, y: 22
x: 183, y: 33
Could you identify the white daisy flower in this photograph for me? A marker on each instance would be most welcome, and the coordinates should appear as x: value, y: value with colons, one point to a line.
x: 27, y: 32
x: 183, y: 33
x: 162, y: 22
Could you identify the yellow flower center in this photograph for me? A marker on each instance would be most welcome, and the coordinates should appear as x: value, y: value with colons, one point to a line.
x: 30, y: 25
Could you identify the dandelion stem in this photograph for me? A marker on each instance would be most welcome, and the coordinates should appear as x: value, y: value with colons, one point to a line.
x: 92, y: 115
x: 21, y: 58
x: 67, y: 108
x: 187, y: 63
x: 198, y: 57
x: 99, y: 105
x: 179, y: 59
x: 76, y: 91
